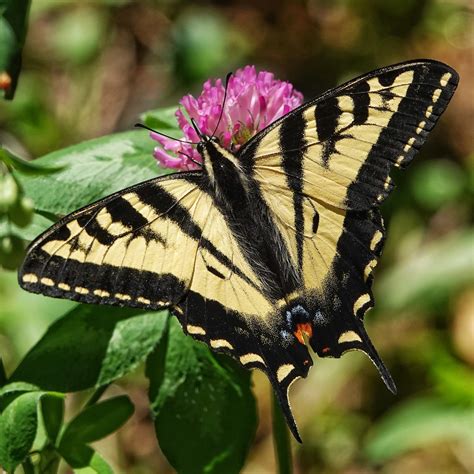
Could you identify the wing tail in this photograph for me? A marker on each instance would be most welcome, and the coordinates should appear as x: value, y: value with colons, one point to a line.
x: 369, y: 349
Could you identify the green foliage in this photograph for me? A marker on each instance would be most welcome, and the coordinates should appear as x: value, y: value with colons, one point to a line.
x: 204, y: 410
x: 91, y: 346
x: 16, y: 209
x: 12, y: 390
x: 429, y: 277
x: 162, y: 119
x: 419, y: 423
x: 93, y: 423
x: 92, y: 170
x: 52, y: 409
x: 437, y: 183
x: 85, y: 460
x: 78, y: 35
x: 28, y: 167
x: 85, y: 429
x: 201, y: 43
x: 18, y: 423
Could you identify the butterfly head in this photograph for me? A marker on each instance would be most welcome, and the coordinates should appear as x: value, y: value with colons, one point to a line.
x: 221, y: 165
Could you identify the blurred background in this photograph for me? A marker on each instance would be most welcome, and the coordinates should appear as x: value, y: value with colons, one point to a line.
x: 91, y: 67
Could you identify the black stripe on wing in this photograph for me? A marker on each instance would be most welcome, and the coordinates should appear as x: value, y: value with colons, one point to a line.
x: 99, y: 283
x: 292, y: 143
x: 164, y: 202
x: 427, y: 97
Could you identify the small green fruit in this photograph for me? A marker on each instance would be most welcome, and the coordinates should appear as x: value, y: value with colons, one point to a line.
x: 8, y: 192
x: 12, y: 250
x: 22, y: 211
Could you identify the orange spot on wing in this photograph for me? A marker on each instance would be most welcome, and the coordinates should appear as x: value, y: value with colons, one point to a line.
x: 325, y: 350
x: 303, y: 328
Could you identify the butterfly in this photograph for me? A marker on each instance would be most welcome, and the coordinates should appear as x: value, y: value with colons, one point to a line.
x: 267, y: 249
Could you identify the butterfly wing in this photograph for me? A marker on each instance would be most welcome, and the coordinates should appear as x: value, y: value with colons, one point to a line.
x: 322, y: 170
x: 163, y: 243
x: 135, y: 248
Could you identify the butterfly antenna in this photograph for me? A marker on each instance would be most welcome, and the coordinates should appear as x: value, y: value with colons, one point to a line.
x: 190, y: 158
x: 141, y: 125
x: 227, y: 78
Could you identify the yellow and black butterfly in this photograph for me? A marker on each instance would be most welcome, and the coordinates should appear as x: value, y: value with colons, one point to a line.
x: 261, y: 248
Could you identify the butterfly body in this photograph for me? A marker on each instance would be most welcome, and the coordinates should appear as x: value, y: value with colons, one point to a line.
x: 266, y: 249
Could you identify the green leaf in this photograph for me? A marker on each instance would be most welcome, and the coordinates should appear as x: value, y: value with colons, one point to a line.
x: 85, y: 460
x: 18, y: 424
x: 28, y: 467
x: 163, y: 119
x: 28, y: 167
x: 205, y: 417
x: 52, y: 409
x: 91, y: 346
x: 97, y: 421
x: 92, y: 170
x: 9, y: 392
x: 97, y: 465
x: 416, y: 424
x: 13, y: 27
x: 38, y: 225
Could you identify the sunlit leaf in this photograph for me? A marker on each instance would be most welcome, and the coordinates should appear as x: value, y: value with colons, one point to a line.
x: 163, y: 119
x: 92, y: 170
x: 9, y: 392
x: 29, y: 167
x: 18, y: 425
x: 91, y: 346
x: 3, y: 375
x: 38, y: 224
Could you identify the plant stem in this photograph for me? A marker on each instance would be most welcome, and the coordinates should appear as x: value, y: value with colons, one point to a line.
x: 96, y: 395
x: 3, y: 375
x: 281, y: 439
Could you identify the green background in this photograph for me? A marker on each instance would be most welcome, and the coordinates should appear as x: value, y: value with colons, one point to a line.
x: 91, y: 68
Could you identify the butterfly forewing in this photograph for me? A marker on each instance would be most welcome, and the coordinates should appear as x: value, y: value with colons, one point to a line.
x: 134, y: 248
